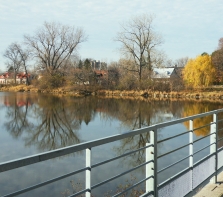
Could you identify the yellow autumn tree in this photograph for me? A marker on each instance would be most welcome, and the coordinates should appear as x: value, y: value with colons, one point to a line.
x: 199, y: 72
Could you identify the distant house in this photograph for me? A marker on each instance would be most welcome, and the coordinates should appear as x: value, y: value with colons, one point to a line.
x: 165, y: 73
x: 7, y: 78
x: 3, y: 77
x: 170, y: 76
x: 100, y: 75
x: 2, y: 80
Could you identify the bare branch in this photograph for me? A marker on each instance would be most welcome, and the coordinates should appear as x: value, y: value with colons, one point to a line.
x: 54, y: 44
x: 138, y: 41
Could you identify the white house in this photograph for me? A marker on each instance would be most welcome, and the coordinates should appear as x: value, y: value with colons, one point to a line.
x: 165, y: 73
x: 170, y: 76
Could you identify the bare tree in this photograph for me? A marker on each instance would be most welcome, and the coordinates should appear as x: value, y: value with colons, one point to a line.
x: 217, y: 61
x: 13, y: 59
x: 169, y: 63
x: 220, y: 43
x: 113, y: 75
x: 139, y: 42
x: 181, y: 62
x: 17, y: 58
x: 24, y: 55
x: 53, y: 45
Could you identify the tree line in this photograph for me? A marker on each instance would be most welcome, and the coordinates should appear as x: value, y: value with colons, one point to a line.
x: 205, y: 69
x: 52, y: 53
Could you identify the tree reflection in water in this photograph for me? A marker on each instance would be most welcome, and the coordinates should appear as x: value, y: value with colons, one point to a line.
x: 57, y: 125
x: 136, y: 115
x: 48, y: 124
x: 17, y: 111
x: 51, y: 122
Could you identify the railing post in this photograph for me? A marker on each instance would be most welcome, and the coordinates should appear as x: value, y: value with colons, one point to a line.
x: 155, y: 164
x: 213, y: 147
x: 151, y: 168
x: 88, y: 173
x: 191, y: 151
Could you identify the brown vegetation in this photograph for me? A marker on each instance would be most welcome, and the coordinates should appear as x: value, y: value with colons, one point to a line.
x: 208, y: 93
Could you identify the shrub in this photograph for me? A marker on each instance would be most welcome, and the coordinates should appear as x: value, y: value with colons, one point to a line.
x: 48, y: 81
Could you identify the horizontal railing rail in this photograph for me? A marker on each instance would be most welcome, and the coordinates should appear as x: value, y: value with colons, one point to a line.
x: 173, y: 164
x: 199, y: 139
x: 17, y: 163
x: 172, y: 137
x: 118, y: 157
x: 172, y: 151
x: 75, y: 148
x: 152, y: 187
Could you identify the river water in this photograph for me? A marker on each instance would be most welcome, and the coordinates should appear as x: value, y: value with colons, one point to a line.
x: 34, y: 123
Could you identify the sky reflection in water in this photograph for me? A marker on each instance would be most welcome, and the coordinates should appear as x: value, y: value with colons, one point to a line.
x: 32, y: 123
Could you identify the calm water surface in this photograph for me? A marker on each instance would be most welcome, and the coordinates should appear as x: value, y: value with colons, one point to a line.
x: 35, y: 123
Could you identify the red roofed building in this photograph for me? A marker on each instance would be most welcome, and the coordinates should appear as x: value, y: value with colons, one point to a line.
x: 7, y: 78
x: 100, y: 73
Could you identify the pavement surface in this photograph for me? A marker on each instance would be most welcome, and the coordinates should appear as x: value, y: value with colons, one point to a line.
x: 211, y: 189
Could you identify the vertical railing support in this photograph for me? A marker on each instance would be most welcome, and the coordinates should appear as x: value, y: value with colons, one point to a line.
x: 155, y: 163
x: 213, y: 147
x: 88, y: 173
x: 151, y: 168
x: 191, y: 151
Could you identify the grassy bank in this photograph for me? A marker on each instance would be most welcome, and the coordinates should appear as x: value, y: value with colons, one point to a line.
x: 156, y: 94
x: 59, y: 91
x: 195, y: 94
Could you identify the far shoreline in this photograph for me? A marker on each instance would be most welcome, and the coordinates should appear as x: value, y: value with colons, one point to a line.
x: 210, y: 94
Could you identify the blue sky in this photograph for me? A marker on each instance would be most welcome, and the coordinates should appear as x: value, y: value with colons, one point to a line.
x: 188, y: 27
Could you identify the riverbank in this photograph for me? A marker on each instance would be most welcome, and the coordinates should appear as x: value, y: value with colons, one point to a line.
x: 156, y: 94
x: 195, y: 94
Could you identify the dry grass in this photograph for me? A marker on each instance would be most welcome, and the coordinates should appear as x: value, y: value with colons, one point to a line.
x: 133, y: 94
x: 18, y: 88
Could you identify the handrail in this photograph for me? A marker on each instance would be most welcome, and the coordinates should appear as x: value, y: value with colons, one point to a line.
x: 5, y: 166
x: 118, y: 157
x: 220, y: 129
x: 150, y: 152
x: 203, y: 148
x: 173, y: 164
x: 197, y: 128
x: 17, y: 163
x: 78, y: 193
x: 203, y: 137
x: 44, y: 183
x: 220, y: 120
x: 169, y: 138
x: 173, y: 150
x: 120, y: 193
x: 220, y: 139
x: 121, y: 174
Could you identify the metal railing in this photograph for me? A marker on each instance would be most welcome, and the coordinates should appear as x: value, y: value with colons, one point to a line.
x: 171, y: 187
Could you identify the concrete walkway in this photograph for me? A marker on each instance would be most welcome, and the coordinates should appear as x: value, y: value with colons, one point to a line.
x: 212, y: 190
